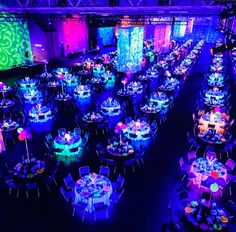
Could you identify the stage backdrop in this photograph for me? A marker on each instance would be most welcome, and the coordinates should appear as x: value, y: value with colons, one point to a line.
x: 75, y: 36
x: 105, y: 36
x: 15, y: 48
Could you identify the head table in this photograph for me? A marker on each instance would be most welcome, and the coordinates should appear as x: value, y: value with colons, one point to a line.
x: 93, y: 188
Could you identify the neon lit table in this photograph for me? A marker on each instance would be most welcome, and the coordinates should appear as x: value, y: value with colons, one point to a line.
x: 9, y: 125
x: 111, y: 107
x: 202, y: 168
x: 88, y: 63
x: 214, y: 119
x: 29, y: 169
x: 53, y: 84
x: 71, y: 80
x: 137, y: 130
x: 216, y: 68
x: 63, y: 97
x: 67, y: 142
x: 27, y: 83
x: 108, y: 76
x: 120, y: 149
x: 135, y: 87
x: 124, y: 93
x: 217, y: 94
x: 211, y: 137
x: 215, y: 83
x: 98, y: 70
x: 159, y: 97
x: 150, y: 108
x: 93, y: 117
x: 33, y: 96
x: 40, y: 114
x: 152, y: 73
x: 180, y: 70
x: 206, y: 218
x: 93, y: 188
x: 7, y: 103
x: 82, y: 91
x: 169, y: 85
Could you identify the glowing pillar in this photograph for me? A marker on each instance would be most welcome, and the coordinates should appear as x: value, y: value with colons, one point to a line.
x: 162, y: 37
x: 129, y: 49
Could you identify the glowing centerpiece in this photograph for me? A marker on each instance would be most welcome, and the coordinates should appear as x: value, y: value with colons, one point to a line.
x: 130, y: 43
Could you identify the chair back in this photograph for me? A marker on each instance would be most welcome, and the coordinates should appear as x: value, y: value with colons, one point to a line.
x: 120, y: 180
x: 110, y: 162
x: 49, y: 138
x: 105, y: 171
x: 83, y: 171
x: 154, y: 124
x: 62, y: 131
x: 77, y: 131
x: 181, y: 162
x: 230, y: 163
x: 68, y: 179
x: 192, y: 155
x: 211, y: 155
x: 128, y: 120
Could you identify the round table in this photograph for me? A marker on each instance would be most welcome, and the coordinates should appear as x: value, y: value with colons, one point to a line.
x: 211, y: 138
x: 70, y: 80
x: 82, y: 91
x: 217, y: 121
x: 7, y: 103
x: 40, y: 114
x: 111, y: 107
x: 63, y: 97
x: 93, y: 117
x: 206, y: 218
x: 137, y: 130
x: 53, y: 84
x: 33, y: 95
x: 159, y: 97
x: 215, y: 94
x: 135, y: 87
x: 29, y: 169
x: 150, y: 108
x: 203, y: 168
x: 9, y: 125
x: 120, y: 149
x: 27, y: 84
x: 124, y: 93
x: 66, y: 143
x: 93, y: 188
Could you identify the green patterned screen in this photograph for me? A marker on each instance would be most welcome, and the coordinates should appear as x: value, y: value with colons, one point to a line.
x: 15, y: 48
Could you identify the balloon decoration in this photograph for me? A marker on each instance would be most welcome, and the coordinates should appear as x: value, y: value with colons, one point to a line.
x: 119, y: 129
x: 25, y: 134
x: 214, y: 187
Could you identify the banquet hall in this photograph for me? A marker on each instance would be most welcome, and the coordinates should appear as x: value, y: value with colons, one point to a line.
x: 117, y: 115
